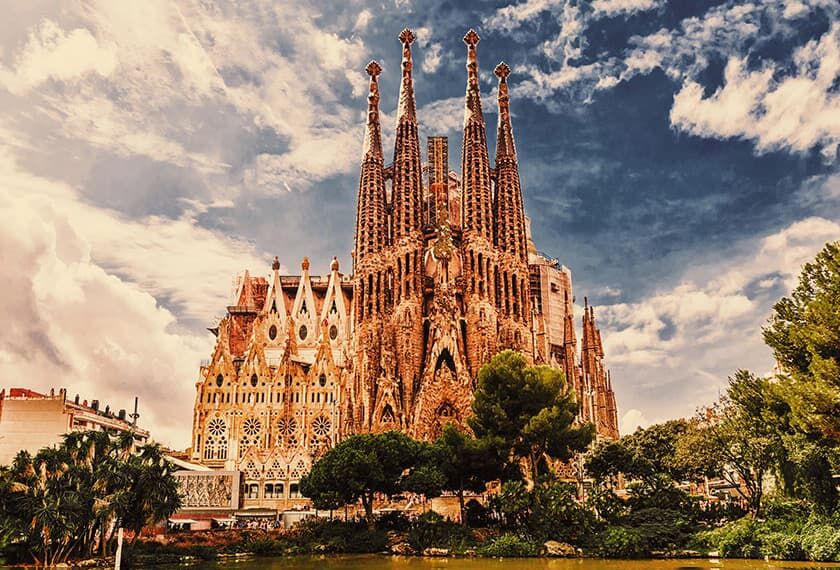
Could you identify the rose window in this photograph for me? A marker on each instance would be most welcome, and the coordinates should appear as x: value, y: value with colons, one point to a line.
x: 252, y: 427
x: 287, y: 426
x: 216, y: 427
x: 321, y: 426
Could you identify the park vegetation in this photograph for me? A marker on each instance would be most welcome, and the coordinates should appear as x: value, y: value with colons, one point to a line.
x: 68, y: 501
x: 773, y: 444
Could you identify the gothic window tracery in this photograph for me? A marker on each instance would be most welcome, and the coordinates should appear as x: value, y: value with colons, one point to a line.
x: 286, y: 432
x: 299, y: 469
x: 215, y: 443
x: 251, y: 429
x: 252, y: 471
x: 321, y: 426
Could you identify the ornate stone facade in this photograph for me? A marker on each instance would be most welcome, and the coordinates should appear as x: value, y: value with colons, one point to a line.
x: 444, y: 277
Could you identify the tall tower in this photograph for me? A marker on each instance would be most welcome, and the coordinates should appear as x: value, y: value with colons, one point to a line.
x: 597, y: 386
x: 509, y: 231
x: 482, y: 276
x: 404, y: 336
x: 368, y: 260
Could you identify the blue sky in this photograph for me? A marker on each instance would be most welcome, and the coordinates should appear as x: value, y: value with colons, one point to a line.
x: 680, y: 156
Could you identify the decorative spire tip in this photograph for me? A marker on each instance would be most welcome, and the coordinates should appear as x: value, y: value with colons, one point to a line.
x: 275, y: 265
x: 471, y: 38
x: 407, y: 36
x: 373, y: 68
x: 502, y: 70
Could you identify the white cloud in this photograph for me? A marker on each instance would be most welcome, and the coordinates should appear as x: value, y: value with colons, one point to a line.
x: 72, y: 323
x: 778, y: 105
x: 511, y: 17
x: 172, y: 259
x: 173, y: 88
x: 631, y: 420
x: 674, y: 349
x: 796, y: 112
x: 52, y: 53
x: 615, y: 7
x: 362, y: 20
x: 432, y: 58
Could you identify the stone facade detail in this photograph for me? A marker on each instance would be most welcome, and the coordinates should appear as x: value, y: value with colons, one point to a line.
x: 444, y: 277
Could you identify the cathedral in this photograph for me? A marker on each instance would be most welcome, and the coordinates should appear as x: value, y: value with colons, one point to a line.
x: 445, y: 275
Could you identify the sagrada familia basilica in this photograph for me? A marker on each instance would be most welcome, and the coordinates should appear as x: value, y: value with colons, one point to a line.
x: 444, y: 276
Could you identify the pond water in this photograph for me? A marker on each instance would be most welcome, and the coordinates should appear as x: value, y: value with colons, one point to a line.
x: 374, y: 562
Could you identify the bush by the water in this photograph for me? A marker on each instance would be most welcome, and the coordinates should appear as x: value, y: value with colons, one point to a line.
x: 509, y: 545
x: 433, y: 531
x: 351, y: 537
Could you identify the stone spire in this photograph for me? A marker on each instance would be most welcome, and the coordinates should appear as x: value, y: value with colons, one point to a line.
x: 373, y: 130
x: 370, y: 215
x: 475, y: 162
x: 508, y: 212
x: 408, y: 190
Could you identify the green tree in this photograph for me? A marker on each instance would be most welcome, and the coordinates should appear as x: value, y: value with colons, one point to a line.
x: 648, y: 454
x: 736, y: 438
x: 360, y: 467
x: 467, y: 463
x: 68, y: 500
x: 530, y: 409
x: 804, y: 334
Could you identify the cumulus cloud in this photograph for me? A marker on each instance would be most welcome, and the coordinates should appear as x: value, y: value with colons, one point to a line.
x: 677, y: 346
x: 631, y: 420
x: 795, y: 112
x: 616, y: 7
x: 786, y: 103
x: 172, y: 259
x: 82, y: 298
x: 52, y: 53
x: 171, y: 89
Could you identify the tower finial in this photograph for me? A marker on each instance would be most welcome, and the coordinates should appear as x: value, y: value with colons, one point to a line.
x: 505, y: 148
x: 473, y: 102
x: 471, y: 38
x: 406, y: 107
x: 407, y: 36
x: 502, y: 71
x: 373, y: 130
x: 275, y: 265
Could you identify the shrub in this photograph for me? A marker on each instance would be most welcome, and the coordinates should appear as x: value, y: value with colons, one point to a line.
x: 319, y: 535
x: 622, y: 542
x: 394, y: 520
x: 509, y: 545
x: 660, y: 529
x: 821, y: 542
x: 738, y: 540
x: 266, y: 547
x: 432, y: 531
x: 781, y: 546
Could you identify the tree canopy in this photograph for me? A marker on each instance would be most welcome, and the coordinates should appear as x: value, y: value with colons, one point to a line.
x: 360, y: 467
x: 69, y: 499
x: 804, y: 334
x: 530, y: 409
